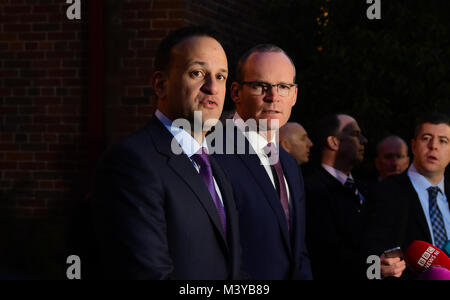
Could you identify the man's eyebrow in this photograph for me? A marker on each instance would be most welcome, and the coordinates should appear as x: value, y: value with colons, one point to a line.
x: 204, y: 64
x: 439, y: 136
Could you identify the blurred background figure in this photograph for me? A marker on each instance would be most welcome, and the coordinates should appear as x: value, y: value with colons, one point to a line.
x: 392, y: 157
x: 294, y: 139
x: 335, y: 199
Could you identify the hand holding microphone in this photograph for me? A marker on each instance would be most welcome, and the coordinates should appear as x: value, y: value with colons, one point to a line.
x: 392, y: 263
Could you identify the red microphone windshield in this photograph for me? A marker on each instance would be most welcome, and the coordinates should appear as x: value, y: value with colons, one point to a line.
x: 421, y: 256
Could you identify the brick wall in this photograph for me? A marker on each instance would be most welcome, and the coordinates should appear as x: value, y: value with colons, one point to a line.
x: 42, y: 106
x: 43, y: 102
x: 45, y: 115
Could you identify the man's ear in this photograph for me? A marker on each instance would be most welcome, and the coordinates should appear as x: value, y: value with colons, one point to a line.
x: 294, y: 99
x: 285, y: 144
x: 333, y: 143
x: 235, y: 89
x: 159, y: 84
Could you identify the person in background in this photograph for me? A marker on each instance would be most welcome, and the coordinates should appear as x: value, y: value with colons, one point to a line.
x: 335, y: 199
x: 392, y: 157
x: 266, y: 180
x: 294, y: 139
x: 415, y: 204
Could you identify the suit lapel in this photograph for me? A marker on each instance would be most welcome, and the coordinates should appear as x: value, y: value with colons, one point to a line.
x: 182, y: 166
x: 416, y: 206
x: 253, y: 163
x: 289, y: 174
x: 227, y: 197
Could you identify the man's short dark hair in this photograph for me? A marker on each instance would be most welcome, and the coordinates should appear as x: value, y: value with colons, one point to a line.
x: 164, y: 53
x: 262, y: 48
x: 432, y: 118
x: 323, y: 128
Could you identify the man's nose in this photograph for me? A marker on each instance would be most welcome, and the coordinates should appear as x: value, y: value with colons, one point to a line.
x: 210, y: 86
x: 271, y: 94
x: 363, y: 140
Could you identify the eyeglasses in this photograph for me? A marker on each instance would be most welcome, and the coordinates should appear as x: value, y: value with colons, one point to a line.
x: 258, y: 88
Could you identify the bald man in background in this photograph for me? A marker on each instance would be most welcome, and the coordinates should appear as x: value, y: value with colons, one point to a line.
x: 392, y: 157
x: 294, y: 139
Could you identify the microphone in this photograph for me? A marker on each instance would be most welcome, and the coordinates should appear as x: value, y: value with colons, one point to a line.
x: 421, y: 256
x: 447, y: 248
x: 435, y: 273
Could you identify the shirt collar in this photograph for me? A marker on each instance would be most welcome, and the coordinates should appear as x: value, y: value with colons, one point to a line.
x: 340, y: 176
x: 421, y: 182
x: 257, y: 141
x: 189, y: 145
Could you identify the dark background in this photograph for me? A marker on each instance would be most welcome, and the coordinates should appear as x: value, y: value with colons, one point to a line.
x: 70, y: 88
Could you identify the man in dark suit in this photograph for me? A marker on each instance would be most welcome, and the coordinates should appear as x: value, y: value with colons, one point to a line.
x: 266, y: 180
x: 334, y: 199
x: 162, y: 208
x: 413, y: 205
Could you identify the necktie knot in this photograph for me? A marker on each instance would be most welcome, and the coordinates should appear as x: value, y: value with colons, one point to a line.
x: 272, y: 153
x: 433, y: 192
x: 202, y: 159
x: 350, y: 184
x: 270, y: 149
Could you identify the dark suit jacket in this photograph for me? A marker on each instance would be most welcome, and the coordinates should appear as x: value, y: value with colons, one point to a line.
x: 269, y: 250
x: 396, y: 217
x: 333, y: 226
x: 154, y: 217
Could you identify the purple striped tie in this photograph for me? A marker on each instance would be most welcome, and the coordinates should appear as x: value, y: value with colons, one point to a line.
x: 202, y: 159
x: 271, y: 150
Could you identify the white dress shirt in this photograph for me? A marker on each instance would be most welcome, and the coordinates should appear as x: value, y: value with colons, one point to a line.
x: 258, y: 143
x: 189, y: 145
x: 421, y: 184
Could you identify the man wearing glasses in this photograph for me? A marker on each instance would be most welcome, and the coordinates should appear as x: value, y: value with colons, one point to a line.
x: 267, y: 182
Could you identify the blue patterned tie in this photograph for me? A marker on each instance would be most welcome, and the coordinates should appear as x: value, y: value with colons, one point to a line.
x: 350, y: 184
x: 437, y: 221
x: 202, y: 159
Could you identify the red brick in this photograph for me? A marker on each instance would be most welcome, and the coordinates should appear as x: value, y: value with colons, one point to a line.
x: 168, y: 24
x: 46, y: 185
x: 9, y: 147
x: 8, y: 165
x: 48, y: 156
x: 16, y: 27
x: 32, y: 166
x: 10, y: 10
x: 167, y: 4
x: 19, y: 156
